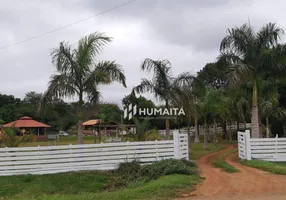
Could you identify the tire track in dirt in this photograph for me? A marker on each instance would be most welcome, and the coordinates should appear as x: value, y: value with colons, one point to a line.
x: 249, y: 183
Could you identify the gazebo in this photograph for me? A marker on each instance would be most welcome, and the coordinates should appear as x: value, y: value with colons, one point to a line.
x: 27, y: 123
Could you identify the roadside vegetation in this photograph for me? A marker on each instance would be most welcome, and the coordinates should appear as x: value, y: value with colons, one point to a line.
x: 131, y: 181
x: 272, y: 167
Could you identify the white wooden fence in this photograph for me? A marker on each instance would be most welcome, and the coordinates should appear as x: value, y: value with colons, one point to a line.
x: 105, y: 156
x: 268, y: 149
x: 202, y: 129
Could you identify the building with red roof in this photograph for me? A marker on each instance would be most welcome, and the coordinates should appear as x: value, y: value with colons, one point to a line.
x: 26, y: 124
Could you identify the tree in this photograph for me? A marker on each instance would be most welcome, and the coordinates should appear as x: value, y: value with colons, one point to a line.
x: 213, y: 74
x: 269, y: 103
x: 32, y: 98
x: 78, y: 74
x: 9, y: 138
x: 251, y: 55
x: 109, y: 112
x: 141, y: 128
x: 162, y: 84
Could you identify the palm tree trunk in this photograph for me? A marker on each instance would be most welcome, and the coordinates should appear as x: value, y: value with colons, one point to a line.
x: 167, y: 124
x: 189, y: 135
x: 224, y: 130
x: 189, y: 132
x: 254, y: 113
x: 215, y: 131
x: 229, y: 132
x: 197, y: 139
x: 244, y: 125
x: 205, y: 136
x: 267, y: 127
x: 80, y: 121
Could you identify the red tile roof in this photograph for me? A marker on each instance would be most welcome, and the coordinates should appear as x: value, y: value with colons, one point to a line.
x: 26, y: 122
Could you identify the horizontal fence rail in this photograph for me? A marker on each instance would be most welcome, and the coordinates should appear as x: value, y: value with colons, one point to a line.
x: 105, y: 156
x: 268, y: 149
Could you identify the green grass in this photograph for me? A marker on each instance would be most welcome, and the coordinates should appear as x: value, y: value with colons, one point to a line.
x: 272, y: 167
x: 220, y: 162
x: 72, y: 139
x: 197, y: 150
x: 165, y: 187
x: 64, y: 183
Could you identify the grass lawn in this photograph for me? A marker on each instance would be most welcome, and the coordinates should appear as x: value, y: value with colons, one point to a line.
x: 64, y: 183
x: 220, y: 162
x: 90, y: 185
x: 272, y: 167
x: 72, y: 139
x: 197, y: 150
x: 165, y: 187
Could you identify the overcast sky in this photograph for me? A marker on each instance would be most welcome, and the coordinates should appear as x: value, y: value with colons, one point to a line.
x: 186, y: 32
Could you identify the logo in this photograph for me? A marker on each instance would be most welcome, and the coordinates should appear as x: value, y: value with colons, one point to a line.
x: 131, y: 110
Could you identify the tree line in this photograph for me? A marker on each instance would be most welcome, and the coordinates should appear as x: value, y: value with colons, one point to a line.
x: 246, y: 83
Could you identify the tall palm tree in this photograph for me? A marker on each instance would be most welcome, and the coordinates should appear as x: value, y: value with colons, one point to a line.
x: 269, y: 103
x: 162, y: 84
x: 250, y: 55
x: 79, y: 75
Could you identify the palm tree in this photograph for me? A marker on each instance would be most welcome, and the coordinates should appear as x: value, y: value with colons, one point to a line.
x: 79, y: 75
x: 250, y: 55
x: 10, y: 139
x: 269, y: 103
x: 163, y: 85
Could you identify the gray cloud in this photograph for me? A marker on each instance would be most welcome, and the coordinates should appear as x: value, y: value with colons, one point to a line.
x: 186, y: 32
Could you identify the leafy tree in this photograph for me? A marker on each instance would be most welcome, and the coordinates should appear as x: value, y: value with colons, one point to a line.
x: 109, y: 112
x: 32, y: 98
x: 78, y: 74
x: 251, y: 55
x: 162, y: 84
x: 213, y: 74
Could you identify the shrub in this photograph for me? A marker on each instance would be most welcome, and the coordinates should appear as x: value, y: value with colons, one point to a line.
x: 152, y: 135
x: 165, y: 167
x: 129, y: 171
x: 132, y: 172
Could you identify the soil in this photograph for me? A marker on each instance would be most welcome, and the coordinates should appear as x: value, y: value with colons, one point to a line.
x: 248, y: 184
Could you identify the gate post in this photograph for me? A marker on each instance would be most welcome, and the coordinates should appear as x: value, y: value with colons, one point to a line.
x: 176, y: 138
x: 247, y: 145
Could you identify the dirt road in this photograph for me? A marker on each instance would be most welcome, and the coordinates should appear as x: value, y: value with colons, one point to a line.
x: 249, y: 184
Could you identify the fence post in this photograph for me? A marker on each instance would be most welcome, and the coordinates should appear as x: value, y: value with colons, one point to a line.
x: 101, y: 155
x: 127, y: 144
x: 176, y: 137
x: 38, y: 159
x: 157, y: 156
x: 70, y: 157
x: 6, y: 161
x: 276, y: 144
x: 247, y: 145
x: 188, y: 149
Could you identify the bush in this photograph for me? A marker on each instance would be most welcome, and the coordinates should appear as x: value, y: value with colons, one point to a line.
x: 152, y: 135
x: 165, y: 167
x: 132, y: 172
x: 129, y: 171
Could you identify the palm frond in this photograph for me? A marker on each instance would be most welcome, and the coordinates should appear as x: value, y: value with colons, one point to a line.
x: 113, y: 70
x: 59, y: 86
x: 63, y: 58
x: 93, y: 94
x: 89, y: 47
x: 269, y: 35
x: 239, y: 74
x: 144, y: 86
x: 237, y: 40
x: 184, y: 78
